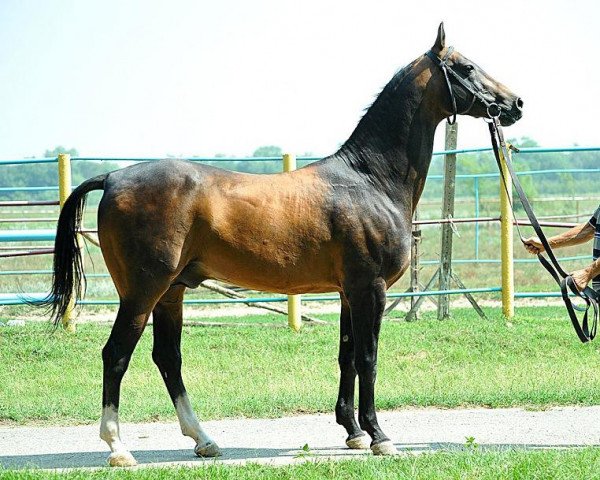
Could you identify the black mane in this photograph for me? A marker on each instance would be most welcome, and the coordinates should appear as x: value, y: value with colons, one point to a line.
x: 376, y: 144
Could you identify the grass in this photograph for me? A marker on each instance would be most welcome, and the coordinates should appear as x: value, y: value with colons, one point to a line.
x: 535, y: 361
x: 479, y: 465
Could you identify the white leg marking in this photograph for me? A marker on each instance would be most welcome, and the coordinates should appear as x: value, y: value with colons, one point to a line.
x: 190, y: 427
x: 109, y: 432
x: 384, y: 448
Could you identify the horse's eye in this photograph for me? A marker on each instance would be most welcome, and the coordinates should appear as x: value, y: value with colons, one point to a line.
x: 469, y: 68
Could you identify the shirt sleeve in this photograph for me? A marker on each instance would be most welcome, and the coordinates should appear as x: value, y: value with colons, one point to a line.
x: 594, y: 218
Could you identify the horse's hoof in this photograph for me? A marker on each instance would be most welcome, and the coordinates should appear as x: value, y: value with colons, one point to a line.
x: 210, y: 449
x: 384, y: 448
x: 358, y: 443
x: 121, y: 459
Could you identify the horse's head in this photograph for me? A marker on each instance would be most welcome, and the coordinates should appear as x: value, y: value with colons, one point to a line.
x: 466, y: 89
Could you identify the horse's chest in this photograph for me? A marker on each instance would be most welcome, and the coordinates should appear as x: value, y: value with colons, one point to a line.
x: 383, y: 239
x: 396, y: 258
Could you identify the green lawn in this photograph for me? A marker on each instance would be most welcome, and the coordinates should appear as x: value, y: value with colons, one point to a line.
x: 535, y: 361
x: 485, y: 465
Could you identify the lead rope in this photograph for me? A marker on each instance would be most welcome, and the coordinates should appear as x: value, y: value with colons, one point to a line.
x: 564, y: 280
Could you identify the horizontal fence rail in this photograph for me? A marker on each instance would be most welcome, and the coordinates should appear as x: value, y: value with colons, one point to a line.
x: 9, y: 299
x: 32, y: 298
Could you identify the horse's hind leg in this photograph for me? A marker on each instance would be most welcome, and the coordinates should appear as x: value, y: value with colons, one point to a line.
x: 344, y: 408
x: 116, y: 354
x: 167, y: 323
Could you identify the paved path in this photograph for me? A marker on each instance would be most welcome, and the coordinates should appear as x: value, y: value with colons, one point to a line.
x: 279, y: 441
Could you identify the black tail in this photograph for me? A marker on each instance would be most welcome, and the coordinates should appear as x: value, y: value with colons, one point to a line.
x: 67, y: 284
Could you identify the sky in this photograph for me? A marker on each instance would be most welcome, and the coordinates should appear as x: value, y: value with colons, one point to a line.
x: 150, y: 78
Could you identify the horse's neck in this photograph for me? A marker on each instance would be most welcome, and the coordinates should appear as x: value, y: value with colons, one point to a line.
x: 392, y: 144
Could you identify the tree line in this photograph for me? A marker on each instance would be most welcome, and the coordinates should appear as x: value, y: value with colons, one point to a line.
x: 550, y: 184
x: 563, y: 184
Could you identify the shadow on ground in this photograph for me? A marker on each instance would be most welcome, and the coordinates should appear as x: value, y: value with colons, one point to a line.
x: 236, y: 455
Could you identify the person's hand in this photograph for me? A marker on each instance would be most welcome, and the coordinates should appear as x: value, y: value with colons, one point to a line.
x: 581, y: 278
x: 533, y: 245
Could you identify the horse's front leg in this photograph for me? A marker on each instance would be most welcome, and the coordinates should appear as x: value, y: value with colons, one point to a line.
x: 344, y: 408
x: 367, y: 305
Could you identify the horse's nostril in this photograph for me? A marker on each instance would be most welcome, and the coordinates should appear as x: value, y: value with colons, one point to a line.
x: 519, y: 103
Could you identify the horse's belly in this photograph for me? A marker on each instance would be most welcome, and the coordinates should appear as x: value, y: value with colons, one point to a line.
x: 272, y: 270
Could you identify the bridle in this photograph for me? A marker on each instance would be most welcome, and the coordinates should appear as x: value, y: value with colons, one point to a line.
x: 492, y: 108
x: 586, y: 329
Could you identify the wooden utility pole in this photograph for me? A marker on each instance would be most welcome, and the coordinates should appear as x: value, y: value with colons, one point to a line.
x: 447, y: 213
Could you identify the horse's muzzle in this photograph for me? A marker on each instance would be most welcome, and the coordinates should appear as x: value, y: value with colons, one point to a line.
x: 513, y: 113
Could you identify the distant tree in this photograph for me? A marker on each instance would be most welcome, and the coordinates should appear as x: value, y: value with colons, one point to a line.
x: 523, y: 142
x: 33, y: 175
x: 227, y: 165
x: 46, y: 174
x: 60, y: 149
x: 262, y: 167
x: 268, y: 151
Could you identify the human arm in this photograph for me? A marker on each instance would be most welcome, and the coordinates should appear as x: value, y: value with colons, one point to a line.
x: 581, y: 233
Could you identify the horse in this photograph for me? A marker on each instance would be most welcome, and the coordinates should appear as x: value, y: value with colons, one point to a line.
x: 341, y: 224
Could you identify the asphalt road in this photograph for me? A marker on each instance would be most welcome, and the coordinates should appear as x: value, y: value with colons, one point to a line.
x: 279, y: 441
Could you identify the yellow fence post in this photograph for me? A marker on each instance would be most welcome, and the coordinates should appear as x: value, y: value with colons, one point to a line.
x: 64, y: 190
x: 294, y: 314
x: 506, y: 243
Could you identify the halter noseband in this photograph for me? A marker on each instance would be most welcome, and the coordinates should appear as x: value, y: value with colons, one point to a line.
x: 493, y: 110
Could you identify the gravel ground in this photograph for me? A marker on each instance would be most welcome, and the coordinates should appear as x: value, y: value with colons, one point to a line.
x: 280, y: 441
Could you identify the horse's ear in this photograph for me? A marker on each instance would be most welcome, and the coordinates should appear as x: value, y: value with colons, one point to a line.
x: 440, y: 41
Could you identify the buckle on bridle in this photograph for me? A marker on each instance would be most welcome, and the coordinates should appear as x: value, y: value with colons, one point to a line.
x: 493, y: 110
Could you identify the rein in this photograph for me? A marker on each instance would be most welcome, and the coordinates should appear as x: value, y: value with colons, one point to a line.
x: 562, y: 278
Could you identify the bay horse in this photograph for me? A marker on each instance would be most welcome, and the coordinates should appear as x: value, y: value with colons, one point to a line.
x: 341, y: 224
